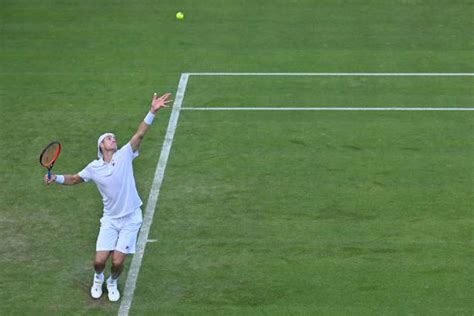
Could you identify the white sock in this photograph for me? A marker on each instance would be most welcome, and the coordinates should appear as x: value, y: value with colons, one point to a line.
x: 111, y: 280
x: 99, y: 276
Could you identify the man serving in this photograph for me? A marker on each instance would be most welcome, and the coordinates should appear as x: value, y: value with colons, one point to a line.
x: 112, y: 173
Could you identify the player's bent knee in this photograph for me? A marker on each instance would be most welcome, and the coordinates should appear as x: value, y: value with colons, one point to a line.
x: 118, y: 260
x: 100, y: 260
x: 99, y: 264
x: 117, y: 263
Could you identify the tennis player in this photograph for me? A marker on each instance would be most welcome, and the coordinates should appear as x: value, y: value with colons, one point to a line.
x: 112, y: 173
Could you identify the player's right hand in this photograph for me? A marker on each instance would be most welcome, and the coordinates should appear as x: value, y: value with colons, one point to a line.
x: 49, y: 181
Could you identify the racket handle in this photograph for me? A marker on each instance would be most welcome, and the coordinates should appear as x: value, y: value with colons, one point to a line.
x: 49, y: 174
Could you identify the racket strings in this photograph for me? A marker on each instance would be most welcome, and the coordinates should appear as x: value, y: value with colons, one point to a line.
x: 49, y: 155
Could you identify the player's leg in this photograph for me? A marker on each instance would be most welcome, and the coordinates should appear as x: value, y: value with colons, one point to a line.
x: 118, y: 260
x: 100, y: 260
x: 126, y: 243
x: 106, y: 241
x: 99, y: 266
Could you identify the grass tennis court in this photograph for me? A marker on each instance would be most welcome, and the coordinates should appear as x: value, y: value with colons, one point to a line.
x: 260, y: 212
x: 256, y: 204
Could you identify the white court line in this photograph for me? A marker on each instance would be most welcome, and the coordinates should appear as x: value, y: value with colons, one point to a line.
x: 336, y: 74
x: 152, y: 199
x: 320, y: 109
x: 404, y: 74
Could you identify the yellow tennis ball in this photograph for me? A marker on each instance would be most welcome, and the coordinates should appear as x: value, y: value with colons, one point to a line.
x: 180, y: 15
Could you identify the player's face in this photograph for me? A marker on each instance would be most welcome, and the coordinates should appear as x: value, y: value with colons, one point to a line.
x: 109, y: 143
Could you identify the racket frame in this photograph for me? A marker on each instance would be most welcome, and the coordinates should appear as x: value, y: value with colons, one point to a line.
x: 53, y: 160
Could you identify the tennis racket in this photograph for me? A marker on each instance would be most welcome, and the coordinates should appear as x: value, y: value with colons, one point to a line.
x: 49, y: 155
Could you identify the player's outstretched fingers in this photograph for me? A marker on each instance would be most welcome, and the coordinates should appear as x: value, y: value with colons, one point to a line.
x: 165, y: 96
x: 166, y: 101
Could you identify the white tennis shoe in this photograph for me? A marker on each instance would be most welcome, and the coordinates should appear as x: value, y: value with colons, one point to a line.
x: 112, y: 289
x: 96, y: 289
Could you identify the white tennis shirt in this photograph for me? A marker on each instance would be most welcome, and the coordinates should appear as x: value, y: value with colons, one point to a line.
x: 115, y: 182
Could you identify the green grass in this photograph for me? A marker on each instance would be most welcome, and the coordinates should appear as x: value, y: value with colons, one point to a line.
x: 313, y: 213
x: 329, y: 91
x: 328, y: 212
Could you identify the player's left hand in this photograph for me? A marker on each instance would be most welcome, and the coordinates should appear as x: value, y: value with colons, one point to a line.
x: 159, y: 102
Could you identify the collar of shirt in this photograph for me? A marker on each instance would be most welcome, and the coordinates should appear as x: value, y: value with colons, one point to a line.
x: 112, y: 161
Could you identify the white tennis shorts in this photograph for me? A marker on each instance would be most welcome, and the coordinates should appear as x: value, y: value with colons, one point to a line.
x: 119, y: 233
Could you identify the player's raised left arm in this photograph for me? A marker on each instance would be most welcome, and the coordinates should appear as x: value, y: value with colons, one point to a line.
x: 156, y: 104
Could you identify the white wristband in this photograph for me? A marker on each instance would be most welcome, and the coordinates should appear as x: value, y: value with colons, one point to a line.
x: 59, y: 179
x: 149, y: 118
